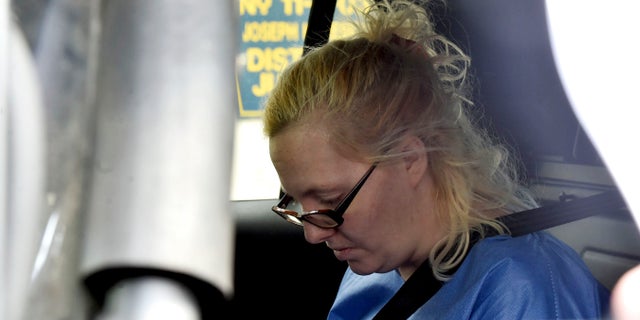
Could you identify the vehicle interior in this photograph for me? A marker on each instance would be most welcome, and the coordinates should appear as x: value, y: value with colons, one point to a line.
x: 275, y: 272
x: 519, y: 90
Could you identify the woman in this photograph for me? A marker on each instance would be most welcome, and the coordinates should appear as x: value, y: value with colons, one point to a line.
x: 375, y: 139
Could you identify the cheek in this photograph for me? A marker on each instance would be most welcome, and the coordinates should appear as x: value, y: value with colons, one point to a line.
x: 384, y: 212
x: 397, y: 223
x: 378, y: 219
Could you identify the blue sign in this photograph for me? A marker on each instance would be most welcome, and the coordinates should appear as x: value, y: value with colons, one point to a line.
x: 272, y: 37
x: 272, y: 34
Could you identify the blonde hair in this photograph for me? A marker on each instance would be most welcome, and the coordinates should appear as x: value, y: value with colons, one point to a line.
x: 397, y: 76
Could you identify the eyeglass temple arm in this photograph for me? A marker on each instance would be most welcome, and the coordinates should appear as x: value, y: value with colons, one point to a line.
x: 347, y: 200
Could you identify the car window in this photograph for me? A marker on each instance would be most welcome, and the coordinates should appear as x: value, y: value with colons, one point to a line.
x: 271, y: 37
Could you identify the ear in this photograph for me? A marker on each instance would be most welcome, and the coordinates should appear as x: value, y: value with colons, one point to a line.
x: 415, y: 161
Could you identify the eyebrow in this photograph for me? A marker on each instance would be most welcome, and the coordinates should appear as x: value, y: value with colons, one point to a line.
x: 322, y: 193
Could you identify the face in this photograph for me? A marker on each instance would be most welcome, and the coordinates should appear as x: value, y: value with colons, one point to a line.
x: 390, y: 223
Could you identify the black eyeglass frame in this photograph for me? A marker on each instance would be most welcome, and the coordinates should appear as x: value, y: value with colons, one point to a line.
x: 334, y: 214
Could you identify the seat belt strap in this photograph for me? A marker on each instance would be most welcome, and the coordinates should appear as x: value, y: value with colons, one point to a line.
x: 319, y: 24
x: 417, y: 290
x: 422, y: 285
x: 545, y: 217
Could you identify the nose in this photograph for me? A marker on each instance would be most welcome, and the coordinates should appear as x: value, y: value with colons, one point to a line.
x: 314, y: 234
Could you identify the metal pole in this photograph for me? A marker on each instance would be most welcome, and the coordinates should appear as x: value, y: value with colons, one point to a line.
x: 166, y: 102
x: 25, y: 188
x: 149, y: 298
x: 4, y: 135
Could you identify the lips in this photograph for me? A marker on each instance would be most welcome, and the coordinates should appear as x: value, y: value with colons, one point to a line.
x: 342, y: 254
x: 335, y: 248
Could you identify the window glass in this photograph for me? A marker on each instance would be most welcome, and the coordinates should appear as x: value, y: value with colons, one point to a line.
x: 271, y: 37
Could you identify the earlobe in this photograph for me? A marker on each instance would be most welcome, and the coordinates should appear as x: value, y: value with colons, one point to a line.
x: 415, y: 159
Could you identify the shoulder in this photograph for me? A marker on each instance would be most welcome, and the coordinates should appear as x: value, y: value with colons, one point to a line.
x: 531, y: 276
x: 536, y: 248
x: 534, y: 255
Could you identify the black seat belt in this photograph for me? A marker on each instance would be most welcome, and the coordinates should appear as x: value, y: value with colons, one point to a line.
x: 545, y: 217
x: 319, y: 24
x: 422, y: 285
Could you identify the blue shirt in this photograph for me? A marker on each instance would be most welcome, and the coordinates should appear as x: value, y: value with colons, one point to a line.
x: 529, y: 277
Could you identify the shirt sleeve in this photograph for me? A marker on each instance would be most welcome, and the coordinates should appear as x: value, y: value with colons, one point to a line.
x: 540, y: 288
x: 530, y: 277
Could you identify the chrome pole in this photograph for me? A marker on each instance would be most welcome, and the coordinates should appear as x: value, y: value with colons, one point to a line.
x: 166, y: 103
x: 23, y: 212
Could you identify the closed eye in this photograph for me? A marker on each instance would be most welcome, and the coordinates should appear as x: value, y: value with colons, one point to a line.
x: 317, y: 204
x: 329, y: 202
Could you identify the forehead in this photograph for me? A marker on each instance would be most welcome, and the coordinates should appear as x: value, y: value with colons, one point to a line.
x: 304, y: 155
x: 302, y: 146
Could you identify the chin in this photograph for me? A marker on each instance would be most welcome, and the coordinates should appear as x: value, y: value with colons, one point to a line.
x: 363, y: 269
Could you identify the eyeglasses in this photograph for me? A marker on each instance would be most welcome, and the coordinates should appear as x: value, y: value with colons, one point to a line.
x: 323, y: 218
